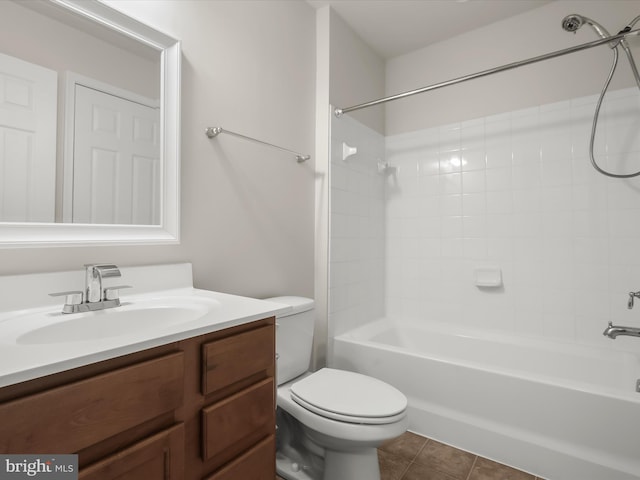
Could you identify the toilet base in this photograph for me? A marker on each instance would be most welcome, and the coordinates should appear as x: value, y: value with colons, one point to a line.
x: 296, y: 457
x: 351, y: 465
x: 292, y: 470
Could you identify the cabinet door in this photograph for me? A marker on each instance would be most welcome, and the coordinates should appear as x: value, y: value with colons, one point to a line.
x: 89, y: 411
x: 229, y: 360
x: 237, y: 422
x: 259, y: 463
x: 160, y: 457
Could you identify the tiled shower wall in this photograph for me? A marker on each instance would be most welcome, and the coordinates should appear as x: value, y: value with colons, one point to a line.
x: 516, y: 192
x: 357, y: 206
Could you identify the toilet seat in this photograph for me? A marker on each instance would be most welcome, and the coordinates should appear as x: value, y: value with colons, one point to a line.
x: 349, y: 397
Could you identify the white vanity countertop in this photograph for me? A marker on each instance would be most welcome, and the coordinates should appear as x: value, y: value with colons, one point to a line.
x: 25, y: 356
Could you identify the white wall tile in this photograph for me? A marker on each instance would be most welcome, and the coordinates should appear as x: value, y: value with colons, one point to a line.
x: 498, y: 179
x: 556, y: 169
x: 429, y: 185
x: 500, y: 248
x: 516, y: 189
x: 451, y: 183
x: 500, y: 226
x: 526, y: 175
x: 450, y: 161
x: 475, y: 226
x: 499, y: 202
x: 472, y: 135
x: 452, y: 227
x: 429, y: 164
x: 476, y: 204
x: 473, y: 159
x: 449, y: 138
x: 474, y: 181
x: 499, y: 155
x: 556, y: 199
x: 475, y: 248
x: 451, y: 205
x: 359, y: 213
x: 527, y: 200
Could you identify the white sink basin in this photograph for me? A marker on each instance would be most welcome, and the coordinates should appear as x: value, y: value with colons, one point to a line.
x: 37, y: 339
x: 128, y: 319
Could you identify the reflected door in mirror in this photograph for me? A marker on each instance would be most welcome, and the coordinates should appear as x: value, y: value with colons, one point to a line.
x: 116, y: 160
x: 28, y: 109
x: 128, y: 197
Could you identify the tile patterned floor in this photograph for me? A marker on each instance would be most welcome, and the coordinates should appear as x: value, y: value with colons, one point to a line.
x: 413, y: 457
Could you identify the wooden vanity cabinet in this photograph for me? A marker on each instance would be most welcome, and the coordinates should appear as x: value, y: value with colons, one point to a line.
x: 199, y: 408
x: 236, y: 398
x: 254, y: 464
x: 158, y: 457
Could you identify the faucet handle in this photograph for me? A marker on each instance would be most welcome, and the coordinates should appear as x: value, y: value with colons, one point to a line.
x: 113, y: 293
x: 631, y: 296
x: 73, y: 297
x: 72, y: 301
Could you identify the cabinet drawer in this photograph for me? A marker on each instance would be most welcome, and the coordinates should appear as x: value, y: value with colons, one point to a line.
x: 237, y: 422
x: 232, y: 359
x: 256, y: 464
x: 89, y: 411
x: 160, y: 457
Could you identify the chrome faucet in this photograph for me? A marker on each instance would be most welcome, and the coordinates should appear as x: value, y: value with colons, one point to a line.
x: 93, y: 280
x: 612, y: 331
x: 94, y: 296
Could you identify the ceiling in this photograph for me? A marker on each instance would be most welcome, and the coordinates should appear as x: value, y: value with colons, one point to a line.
x: 395, y: 27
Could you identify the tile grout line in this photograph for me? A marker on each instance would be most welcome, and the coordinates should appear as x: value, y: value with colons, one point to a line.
x: 404, y: 472
x: 412, y: 461
x: 424, y: 445
x: 471, y: 470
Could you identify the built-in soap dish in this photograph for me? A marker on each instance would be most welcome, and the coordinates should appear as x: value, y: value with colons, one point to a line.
x: 488, y: 276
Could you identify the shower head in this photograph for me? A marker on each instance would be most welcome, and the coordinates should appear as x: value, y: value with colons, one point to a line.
x: 571, y: 23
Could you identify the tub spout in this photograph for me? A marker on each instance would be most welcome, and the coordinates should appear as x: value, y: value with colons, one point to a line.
x: 612, y: 331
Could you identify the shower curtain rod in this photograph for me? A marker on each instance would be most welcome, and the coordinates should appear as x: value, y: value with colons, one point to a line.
x: 212, y: 132
x: 613, y: 38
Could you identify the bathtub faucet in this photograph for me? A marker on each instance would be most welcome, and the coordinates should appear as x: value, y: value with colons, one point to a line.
x: 612, y: 331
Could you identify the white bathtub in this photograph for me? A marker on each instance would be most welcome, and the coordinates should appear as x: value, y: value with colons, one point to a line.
x: 560, y: 411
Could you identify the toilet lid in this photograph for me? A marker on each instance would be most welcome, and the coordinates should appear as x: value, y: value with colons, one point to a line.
x: 349, y: 397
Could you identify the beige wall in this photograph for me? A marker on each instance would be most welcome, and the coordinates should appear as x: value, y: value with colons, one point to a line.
x: 357, y: 73
x: 527, y: 35
x: 247, y: 211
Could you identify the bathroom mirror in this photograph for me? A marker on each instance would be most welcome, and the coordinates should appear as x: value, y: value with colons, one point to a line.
x: 89, y: 126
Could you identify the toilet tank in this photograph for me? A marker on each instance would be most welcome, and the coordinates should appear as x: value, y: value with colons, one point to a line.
x: 294, y: 337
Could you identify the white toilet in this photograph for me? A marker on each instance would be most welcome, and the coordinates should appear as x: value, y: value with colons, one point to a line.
x: 329, y: 422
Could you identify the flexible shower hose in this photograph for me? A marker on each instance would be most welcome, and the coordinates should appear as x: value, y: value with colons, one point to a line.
x: 594, y: 125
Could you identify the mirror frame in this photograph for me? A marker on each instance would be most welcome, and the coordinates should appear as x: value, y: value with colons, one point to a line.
x: 17, y: 235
